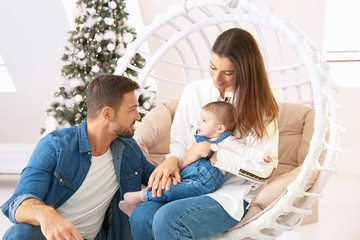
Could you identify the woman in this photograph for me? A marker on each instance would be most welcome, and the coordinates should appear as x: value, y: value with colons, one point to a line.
x: 237, y: 75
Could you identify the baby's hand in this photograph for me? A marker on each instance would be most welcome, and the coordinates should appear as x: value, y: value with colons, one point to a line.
x: 268, y: 158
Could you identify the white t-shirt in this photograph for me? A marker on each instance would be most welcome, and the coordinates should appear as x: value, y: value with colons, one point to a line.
x: 86, y: 208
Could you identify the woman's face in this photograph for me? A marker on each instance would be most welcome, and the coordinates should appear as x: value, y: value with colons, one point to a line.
x: 222, y: 71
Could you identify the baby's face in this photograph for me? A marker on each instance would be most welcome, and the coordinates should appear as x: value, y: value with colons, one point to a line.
x: 207, y: 125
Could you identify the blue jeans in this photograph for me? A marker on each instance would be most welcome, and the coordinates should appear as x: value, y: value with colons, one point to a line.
x: 198, y: 217
x: 198, y: 178
x: 24, y: 231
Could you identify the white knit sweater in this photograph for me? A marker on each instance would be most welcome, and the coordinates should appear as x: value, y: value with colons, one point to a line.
x: 235, y: 188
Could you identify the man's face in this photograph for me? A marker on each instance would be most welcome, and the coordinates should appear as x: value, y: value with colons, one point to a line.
x: 126, y: 116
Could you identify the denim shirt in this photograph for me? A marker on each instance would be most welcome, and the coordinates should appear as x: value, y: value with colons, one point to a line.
x: 61, y: 161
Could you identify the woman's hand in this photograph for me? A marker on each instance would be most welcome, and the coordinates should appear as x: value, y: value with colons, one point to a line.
x: 197, y: 151
x: 162, y: 176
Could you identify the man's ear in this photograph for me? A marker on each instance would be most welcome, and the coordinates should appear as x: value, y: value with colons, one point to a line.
x: 107, y: 113
x: 221, y: 128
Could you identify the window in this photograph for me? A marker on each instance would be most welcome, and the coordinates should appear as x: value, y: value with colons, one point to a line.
x: 342, y: 41
x: 6, y: 83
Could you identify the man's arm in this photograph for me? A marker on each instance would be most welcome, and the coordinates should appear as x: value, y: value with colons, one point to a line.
x: 53, y: 225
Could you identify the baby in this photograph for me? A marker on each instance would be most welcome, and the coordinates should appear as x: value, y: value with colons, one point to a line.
x: 201, y: 177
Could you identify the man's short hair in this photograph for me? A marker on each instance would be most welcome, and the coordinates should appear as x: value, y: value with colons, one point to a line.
x: 107, y: 90
x: 224, y: 113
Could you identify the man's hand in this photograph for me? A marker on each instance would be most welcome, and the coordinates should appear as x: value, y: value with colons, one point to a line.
x: 52, y: 224
x: 162, y: 176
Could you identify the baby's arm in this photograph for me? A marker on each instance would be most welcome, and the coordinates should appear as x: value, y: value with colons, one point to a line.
x: 233, y: 144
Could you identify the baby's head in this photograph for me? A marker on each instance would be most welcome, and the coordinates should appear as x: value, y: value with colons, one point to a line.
x: 215, y: 119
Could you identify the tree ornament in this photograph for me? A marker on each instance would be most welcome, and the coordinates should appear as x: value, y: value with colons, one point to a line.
x: 109, y: 35
x: 99, y: 37
x: 112, y: 5
x: 146, y: 105
x: 75, y: 82
x: 110, y: 47
x: 77, y: 12
x: 95, y: 69
x: 90, y: 22
x: 106, y: 65
x: 120, y: 50
x: 91, y: 11
x: 78, y: 98
x: 109, y: 21
x: 81, y: 55
x: 80, y: 88
x: 128, y: 37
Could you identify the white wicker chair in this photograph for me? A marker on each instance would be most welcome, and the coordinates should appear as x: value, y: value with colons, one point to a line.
x: 184, y: 36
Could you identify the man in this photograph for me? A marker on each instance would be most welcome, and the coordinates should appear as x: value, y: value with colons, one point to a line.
x: 76, y: 176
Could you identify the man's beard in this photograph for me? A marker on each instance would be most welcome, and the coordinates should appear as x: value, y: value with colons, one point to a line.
x: 122, y: 132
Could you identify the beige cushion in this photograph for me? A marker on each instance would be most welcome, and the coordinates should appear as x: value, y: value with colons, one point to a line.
x: 296, y: 127
x: 296, y: 124
x: 153, y: 134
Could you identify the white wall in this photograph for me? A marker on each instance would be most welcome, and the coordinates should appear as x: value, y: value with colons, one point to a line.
x: 32, y: 37
x: 31, y: 44
x: 308, y: 15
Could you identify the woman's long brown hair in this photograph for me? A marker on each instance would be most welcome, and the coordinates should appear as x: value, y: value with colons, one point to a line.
x: 254, y: 102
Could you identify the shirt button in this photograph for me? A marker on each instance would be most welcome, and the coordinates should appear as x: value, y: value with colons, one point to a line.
x: 136, y: 173
x: 76, y: 187
x: 89, y: 153
x: 86, y: 165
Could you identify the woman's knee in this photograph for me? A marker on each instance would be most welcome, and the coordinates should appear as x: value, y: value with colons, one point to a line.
x: 23, y: 231
x: 141, y: 220
x: 167, y: 224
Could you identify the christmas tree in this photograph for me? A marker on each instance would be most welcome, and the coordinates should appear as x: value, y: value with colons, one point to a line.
x: 100, y: 38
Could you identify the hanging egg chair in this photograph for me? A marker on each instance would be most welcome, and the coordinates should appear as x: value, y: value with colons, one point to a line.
x: 181, y: 41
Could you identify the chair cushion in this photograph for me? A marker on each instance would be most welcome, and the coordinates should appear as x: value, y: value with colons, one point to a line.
x: 296, y: 127
x: 153, y: 134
